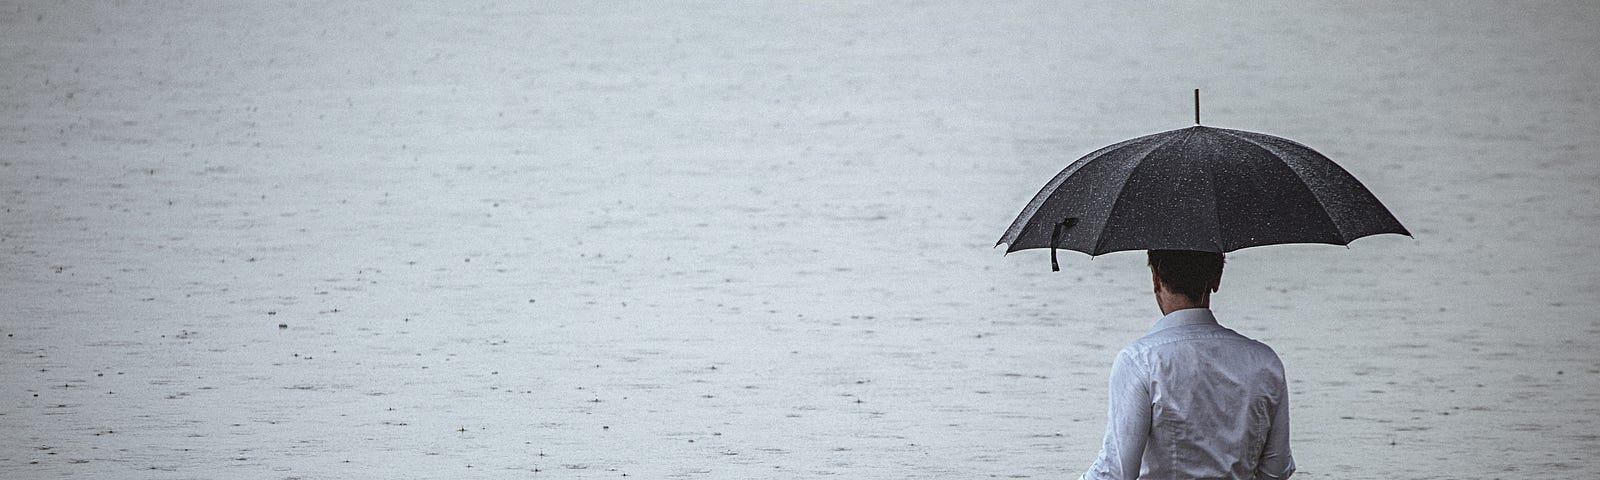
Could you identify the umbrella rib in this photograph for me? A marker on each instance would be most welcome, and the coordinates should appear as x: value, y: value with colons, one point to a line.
x: 1014, y: 232
x: 1216, y: 213
x: 1314, y: 194
x: 1009, y: 238
x: 1100, y: 235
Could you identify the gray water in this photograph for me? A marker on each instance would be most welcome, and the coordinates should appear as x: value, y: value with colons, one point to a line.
x: 754, y: 240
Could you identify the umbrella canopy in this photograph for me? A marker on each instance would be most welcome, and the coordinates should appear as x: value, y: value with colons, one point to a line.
x: 1199, y: 188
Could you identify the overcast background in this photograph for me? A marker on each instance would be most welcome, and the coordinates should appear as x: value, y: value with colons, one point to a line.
x: 754, y: 239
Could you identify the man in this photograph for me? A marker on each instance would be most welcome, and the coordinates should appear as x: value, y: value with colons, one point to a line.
x: 1192, y: 399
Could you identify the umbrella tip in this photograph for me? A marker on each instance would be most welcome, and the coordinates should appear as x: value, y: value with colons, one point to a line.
x: 1197, y: 107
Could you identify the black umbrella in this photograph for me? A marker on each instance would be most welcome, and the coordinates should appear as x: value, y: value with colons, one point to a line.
x: 1198, y: 188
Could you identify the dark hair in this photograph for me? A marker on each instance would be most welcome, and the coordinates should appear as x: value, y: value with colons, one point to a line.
x: 1187, y: 272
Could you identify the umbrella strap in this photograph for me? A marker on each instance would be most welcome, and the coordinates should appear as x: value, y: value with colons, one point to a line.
x: 1055, y: 239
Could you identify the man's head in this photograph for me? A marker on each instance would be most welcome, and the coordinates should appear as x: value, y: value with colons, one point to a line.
x: 1190, y: 274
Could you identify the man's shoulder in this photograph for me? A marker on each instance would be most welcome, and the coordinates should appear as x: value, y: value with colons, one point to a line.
x: 1188, y: 336
x: 1157, y: 356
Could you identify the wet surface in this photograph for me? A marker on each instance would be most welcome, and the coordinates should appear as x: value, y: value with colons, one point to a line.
x: 754, y: 241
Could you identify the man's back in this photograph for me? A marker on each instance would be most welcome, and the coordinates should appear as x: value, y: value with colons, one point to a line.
x: 1192, y: 399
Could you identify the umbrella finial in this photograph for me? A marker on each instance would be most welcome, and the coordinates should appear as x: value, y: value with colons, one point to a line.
x: 1196, y: 106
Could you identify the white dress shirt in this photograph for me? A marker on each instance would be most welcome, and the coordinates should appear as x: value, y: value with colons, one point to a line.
x: 1192, y: 399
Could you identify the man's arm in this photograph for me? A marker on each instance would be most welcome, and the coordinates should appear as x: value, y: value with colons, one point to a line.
x: 1277, y: 462
x: 1127, y: 423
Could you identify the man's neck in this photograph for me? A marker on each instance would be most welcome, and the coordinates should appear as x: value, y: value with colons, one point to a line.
x: 1173, y: 302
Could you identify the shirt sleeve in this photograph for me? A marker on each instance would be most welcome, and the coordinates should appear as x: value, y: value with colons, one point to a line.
x: 1277, y: 462
x: 1127, y: 423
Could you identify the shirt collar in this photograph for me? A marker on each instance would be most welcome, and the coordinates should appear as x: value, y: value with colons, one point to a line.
x: 1187, y: 316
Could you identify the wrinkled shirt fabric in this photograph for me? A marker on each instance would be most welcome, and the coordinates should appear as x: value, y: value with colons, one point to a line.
x: 1191, y: 400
